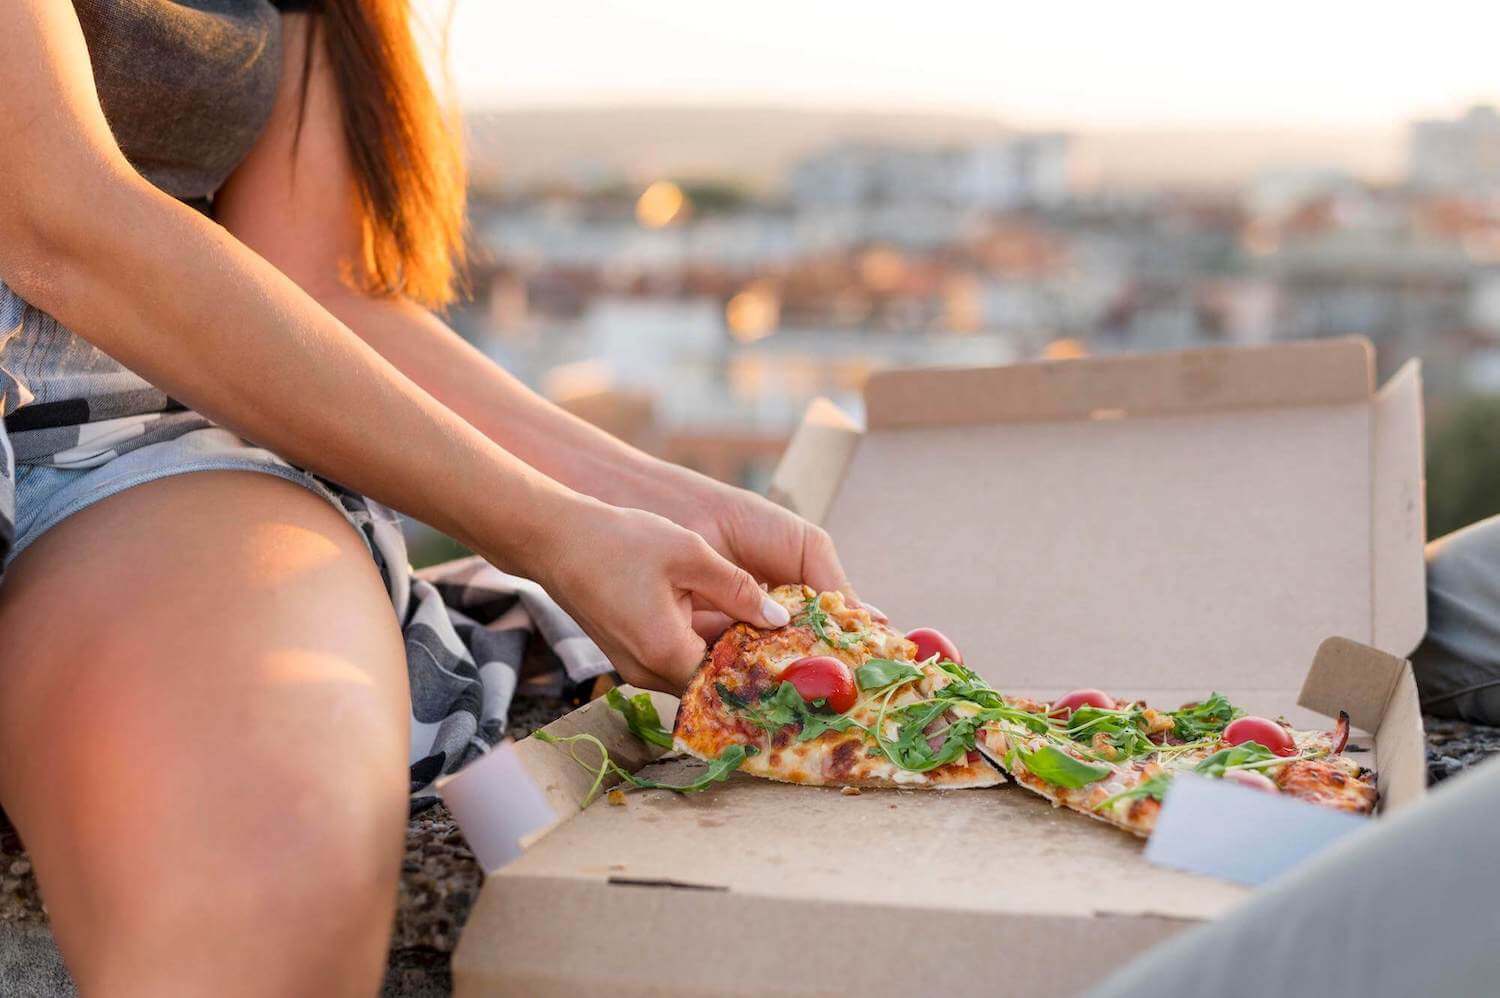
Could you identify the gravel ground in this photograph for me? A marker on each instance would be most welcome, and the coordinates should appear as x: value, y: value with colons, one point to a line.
x: 1453, y: 746
x: 440, y: 878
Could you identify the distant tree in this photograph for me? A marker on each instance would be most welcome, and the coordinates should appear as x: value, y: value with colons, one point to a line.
x: 715, y: 197
x: 1463, y: 463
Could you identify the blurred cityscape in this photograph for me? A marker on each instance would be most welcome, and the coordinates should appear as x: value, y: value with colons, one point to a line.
x: 696, y: 316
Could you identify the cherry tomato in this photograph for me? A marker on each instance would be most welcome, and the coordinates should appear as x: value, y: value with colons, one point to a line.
x: 1250, y: 778
x: 930, y: 642
x: 823, y: 677
x: 1069, y: 702
x: 1258, y: 729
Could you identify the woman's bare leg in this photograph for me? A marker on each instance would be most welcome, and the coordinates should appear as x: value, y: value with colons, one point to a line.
x: 203, y: 740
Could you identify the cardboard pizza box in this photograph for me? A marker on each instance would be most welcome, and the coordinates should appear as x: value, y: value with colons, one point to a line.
x: 1159, y: 526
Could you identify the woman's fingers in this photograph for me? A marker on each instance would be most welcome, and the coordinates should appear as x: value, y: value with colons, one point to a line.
x: 728, y: 588
x: 821, y: 567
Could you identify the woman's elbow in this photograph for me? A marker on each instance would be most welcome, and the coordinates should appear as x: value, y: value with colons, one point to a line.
x: 60, y: 242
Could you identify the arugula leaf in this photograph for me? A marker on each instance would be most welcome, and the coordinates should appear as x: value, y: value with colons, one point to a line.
x: 1056, y: 766
x: 912, y: 748
x: 640, y: 717
x: 784, y: 707
x: 1123, y: 730
x: 1204, y: 719
x: 718, y: 770
x: 882, y: 672
x: 817, y: 618
x: 1246, y: 755
x: 1155, y: 787
x: 732, y: 698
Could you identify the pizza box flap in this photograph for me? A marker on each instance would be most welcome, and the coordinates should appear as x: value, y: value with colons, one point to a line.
x: 812, y: 468
x: 1399, y: 608
x: 1293, y: 374
x: 1379, y: 693
x: 1155, y: 525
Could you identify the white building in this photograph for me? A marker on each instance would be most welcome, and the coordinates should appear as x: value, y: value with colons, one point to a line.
x: 1008, y: 173
x: 1457, y: 156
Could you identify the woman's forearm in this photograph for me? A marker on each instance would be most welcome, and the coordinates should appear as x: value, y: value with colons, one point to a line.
x: 554, y: 441
x: 177, y: 299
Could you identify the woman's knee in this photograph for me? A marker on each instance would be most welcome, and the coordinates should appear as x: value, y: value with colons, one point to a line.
x: 278, y: 901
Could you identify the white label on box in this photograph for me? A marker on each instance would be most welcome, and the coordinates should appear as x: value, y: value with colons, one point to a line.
x: 498, y: 805
x: 1236, y: 833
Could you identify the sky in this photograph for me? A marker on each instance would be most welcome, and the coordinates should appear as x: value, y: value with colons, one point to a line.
x: 1084, y: 63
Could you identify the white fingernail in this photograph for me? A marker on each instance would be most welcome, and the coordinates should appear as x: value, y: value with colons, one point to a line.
x: 776, y: 615
x: 875, y: 611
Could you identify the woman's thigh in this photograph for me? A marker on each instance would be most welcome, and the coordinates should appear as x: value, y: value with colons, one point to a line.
x: 203, y: 734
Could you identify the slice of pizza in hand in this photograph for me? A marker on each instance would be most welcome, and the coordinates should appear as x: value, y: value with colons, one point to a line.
x: 1114, y: 761
x: 834, y: 698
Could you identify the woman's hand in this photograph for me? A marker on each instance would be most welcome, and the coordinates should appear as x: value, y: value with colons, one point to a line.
x: 631, y: 580
x: 769, y: 541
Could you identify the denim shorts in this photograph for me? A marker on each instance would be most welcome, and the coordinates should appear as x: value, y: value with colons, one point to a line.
x: 46, y: 495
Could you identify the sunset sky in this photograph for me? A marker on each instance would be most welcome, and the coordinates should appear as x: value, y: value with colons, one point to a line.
x: 1307, y: 63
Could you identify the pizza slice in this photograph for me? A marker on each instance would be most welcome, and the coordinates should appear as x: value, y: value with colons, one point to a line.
x: 835, y: 698
x: 1114, y: 761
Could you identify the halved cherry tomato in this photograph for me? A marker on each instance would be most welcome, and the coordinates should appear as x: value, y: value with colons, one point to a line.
x: 931, y: 642
x: 1259, y: 729
x: 1069, y: 702
x: 823, y: 677
x: 1250, y: 778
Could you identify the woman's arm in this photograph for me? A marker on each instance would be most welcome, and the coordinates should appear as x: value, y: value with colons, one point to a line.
x: 182, y: 302
x: 293, y: 201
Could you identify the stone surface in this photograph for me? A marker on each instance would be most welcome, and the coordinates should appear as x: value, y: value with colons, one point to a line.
x: 440, y: 879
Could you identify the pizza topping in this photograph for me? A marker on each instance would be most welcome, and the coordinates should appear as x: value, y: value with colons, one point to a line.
x: 718, y: 770
x: 1254, y: 779
x: 878, y: 673
x: 1259, y: 730
x: 1153, y: 787
x: 640, y: 717
x: 1056, y: 766
x: 825, y: 678
x: 1194, y: 721
x: 931, y: 642
x: 1111, y: 732
x: 1247, y: 755
x: 777, y: 710
x: 1340, y: 733
x: 816, y: 615
x: 1069, y: 702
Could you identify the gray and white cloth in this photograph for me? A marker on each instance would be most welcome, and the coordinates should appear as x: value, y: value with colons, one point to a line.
x: 79, y: 427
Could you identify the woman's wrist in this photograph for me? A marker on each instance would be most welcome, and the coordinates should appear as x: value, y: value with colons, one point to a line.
x: 513, y: 515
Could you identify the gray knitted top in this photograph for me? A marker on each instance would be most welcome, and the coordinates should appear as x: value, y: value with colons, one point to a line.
x: 186, y: 85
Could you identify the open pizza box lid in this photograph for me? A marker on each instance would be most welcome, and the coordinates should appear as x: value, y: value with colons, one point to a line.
x: 1158, y: 526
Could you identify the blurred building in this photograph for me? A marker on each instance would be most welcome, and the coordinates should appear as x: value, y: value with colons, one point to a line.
x: 1002, y: 175
x: 697, y: 319
x: 1459, y: 155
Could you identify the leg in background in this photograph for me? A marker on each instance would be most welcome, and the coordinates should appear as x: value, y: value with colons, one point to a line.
x: 1458, y: 664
